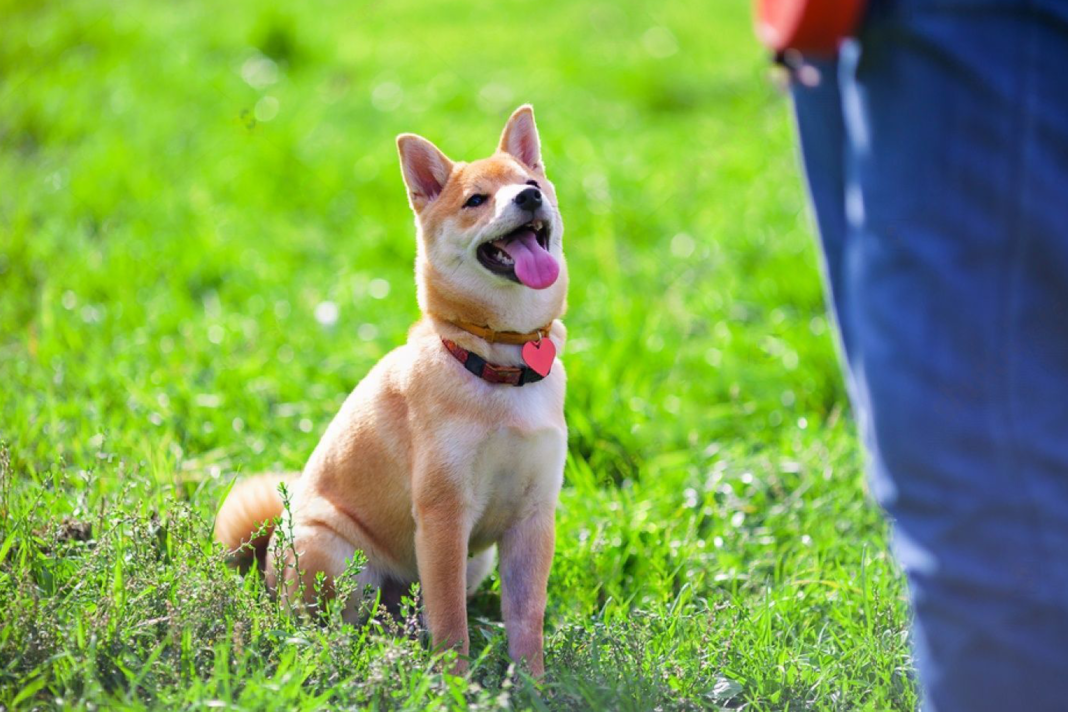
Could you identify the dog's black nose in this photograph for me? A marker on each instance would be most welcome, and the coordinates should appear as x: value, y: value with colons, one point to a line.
x: 529, y: 199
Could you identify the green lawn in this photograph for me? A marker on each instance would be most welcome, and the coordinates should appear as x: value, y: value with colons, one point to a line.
x: 184, y: 184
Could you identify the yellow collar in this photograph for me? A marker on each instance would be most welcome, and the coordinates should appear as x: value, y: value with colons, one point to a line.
x: 501, y: 337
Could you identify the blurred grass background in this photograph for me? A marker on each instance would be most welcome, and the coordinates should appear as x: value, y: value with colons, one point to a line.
x: 204, y: 245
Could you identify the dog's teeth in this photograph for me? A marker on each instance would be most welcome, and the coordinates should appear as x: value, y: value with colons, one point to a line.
x: 503, y: 257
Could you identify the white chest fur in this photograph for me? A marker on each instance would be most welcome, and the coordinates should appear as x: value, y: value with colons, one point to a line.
x: 514, y: 472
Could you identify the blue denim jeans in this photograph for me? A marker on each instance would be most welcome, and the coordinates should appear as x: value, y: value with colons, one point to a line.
x: 936, y: 151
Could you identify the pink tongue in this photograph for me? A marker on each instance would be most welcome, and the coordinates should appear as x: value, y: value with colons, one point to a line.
x: 534, y: 266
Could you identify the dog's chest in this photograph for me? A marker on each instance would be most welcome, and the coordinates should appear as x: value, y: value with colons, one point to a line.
x: 516, y: 470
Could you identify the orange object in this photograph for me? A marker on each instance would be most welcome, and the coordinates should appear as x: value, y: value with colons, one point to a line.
x: 815, y: 27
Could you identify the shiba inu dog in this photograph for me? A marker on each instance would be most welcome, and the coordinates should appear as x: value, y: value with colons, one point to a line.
x: 452, y: 447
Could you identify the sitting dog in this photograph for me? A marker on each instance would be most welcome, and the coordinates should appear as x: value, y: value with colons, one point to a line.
x: 453, y: 445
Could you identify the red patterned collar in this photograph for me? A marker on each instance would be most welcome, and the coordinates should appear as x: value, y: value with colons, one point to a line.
x: 491, y: 372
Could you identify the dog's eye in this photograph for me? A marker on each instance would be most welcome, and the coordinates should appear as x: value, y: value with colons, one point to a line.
x: 475, y: 200
x: 533, y: 183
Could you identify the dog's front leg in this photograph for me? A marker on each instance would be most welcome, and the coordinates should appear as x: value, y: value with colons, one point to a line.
x: 526, y: 553
x: 441, y: 535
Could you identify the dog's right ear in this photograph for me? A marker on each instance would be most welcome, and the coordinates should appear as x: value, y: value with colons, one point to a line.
x: 425, y: 169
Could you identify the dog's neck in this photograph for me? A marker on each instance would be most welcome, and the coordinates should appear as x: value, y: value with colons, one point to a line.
x: 504, y: 354
x: 485, y: 338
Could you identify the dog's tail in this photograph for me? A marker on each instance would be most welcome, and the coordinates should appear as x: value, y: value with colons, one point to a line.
x: 247, y: 516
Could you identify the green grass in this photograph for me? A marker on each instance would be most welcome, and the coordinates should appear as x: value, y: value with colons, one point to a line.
x: 182, y: 184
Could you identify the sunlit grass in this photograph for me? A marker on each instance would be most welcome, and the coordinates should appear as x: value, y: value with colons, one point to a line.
x: 185, y: 186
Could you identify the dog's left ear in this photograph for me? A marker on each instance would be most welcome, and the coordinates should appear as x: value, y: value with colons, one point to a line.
x: 520, y: 138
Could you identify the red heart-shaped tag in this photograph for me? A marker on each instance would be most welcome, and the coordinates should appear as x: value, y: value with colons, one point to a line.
x: 539, y: 355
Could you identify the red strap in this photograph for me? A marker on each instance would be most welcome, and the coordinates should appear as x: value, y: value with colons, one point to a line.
x: 491, y: 372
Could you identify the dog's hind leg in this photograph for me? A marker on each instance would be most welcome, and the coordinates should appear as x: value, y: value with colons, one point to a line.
x: 315, y: 548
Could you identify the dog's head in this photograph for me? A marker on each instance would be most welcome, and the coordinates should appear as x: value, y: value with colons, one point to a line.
x: 490, y: 234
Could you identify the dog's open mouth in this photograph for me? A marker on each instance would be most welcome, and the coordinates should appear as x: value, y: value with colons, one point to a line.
x: 522, y: 256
